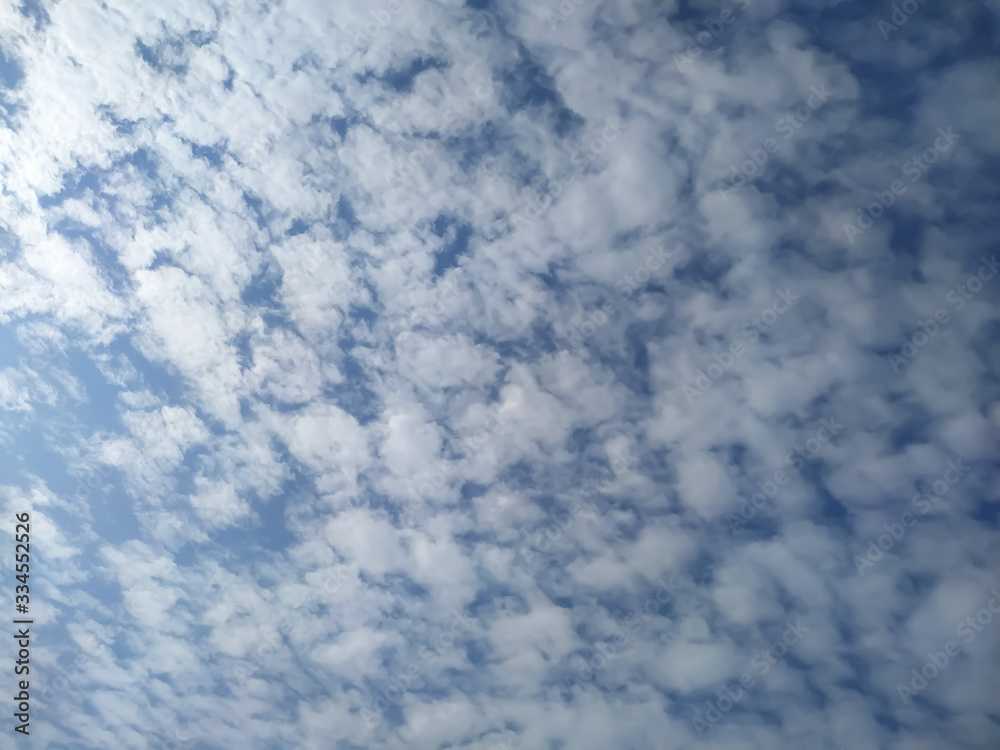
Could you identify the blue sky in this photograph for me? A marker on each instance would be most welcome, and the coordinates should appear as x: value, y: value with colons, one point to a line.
x: 479, y: 375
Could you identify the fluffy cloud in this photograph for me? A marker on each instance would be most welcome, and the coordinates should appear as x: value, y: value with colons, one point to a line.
x: 498, y: 312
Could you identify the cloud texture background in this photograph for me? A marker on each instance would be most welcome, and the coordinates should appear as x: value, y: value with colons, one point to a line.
x: 403, y: 375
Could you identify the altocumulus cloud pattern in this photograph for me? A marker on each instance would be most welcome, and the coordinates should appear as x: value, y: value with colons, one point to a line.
x: 566, y: 374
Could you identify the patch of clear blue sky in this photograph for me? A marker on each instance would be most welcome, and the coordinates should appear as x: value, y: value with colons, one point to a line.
x: 11, y: 77
x: 456, y: 235
x: 35, y: 10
